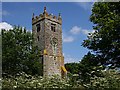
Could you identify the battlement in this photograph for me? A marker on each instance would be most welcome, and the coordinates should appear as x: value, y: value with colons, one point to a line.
x: 47, y: 35
x: 45, y: 15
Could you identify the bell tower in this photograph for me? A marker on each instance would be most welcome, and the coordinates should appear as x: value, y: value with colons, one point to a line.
x: 47, y: 34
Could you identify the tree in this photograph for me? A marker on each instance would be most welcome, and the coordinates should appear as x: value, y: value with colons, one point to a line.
x: 73, y: 68
x: 73, y: 72
x: 18, y: 52
x: 105, y: 41
x: 89, y: 67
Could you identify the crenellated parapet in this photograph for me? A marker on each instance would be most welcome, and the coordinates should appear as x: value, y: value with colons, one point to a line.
x: 45, y: 15
x: 47, y: 35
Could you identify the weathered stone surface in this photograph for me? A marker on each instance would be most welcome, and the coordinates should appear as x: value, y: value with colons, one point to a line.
x: 53, y: 60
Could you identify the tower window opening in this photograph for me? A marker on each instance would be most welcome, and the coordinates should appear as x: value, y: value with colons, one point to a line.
x: 38, y: 38
x: 53, y: 27
x: 54, y: 58
x: 38, y: 27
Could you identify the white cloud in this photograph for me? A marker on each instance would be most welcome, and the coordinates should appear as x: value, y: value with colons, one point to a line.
x: 77, y: 30
x: 70, y: 59
x: 48, y: 0
x: 5, y: 25
x: 70, y: 36
x: 68, y: 39
x: 4, y: 13
x: 85, y: 31
x: 86, y: 5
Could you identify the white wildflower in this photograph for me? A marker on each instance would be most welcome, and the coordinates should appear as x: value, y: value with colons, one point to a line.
x: 14, y: 86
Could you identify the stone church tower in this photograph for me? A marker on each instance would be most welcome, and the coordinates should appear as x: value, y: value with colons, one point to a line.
x: 47, y: 34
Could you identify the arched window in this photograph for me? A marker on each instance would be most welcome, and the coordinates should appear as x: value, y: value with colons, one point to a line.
x: 38, y: 38
x: 38, y: 27
x: 54, y: 43
x: 53, y: 27
x: 54, y: 47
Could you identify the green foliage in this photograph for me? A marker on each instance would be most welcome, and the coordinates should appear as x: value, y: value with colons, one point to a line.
x: 105, y: 41
x: 25, y: 81
x: 89, y: 67
x: 18, y: 52
x: 72, y: 67
x: 110, y: 80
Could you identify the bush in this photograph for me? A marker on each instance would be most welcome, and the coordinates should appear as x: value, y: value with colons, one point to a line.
x: 24, y: 81
x: 110, y: 80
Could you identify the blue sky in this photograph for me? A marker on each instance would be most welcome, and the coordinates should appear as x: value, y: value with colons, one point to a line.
x: 75, y: 22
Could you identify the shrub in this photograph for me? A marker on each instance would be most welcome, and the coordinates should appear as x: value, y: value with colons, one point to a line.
x: 111, y: 79
x: 24, y: 81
